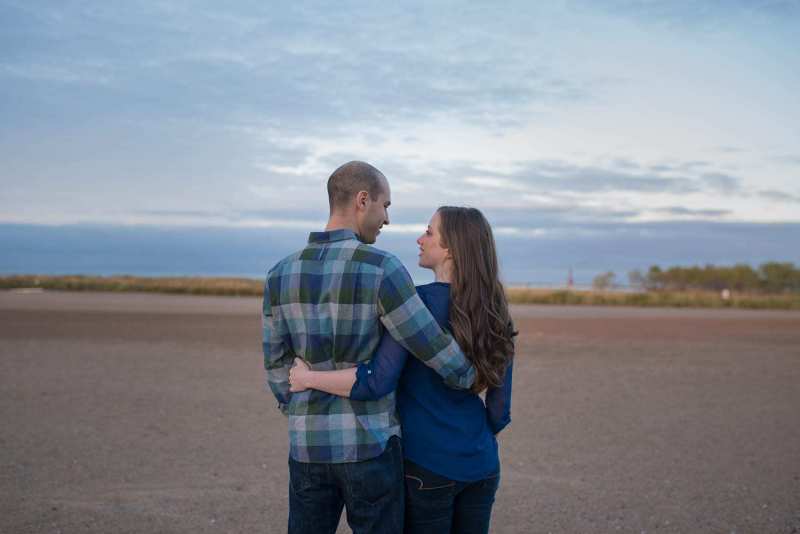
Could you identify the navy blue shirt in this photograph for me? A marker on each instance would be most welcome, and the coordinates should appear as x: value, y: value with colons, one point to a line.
x: 450, y: 432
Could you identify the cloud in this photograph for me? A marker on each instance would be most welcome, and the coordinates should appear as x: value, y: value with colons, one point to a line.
x: 531, y: 195
x: 404, y: 219
x: 622, y: 175
x: 295, y: 65
x: 75, y: 73
x: 679, y: 167
x: 725, y: 149
x: 706, y: 15
x: 625, y: 164
x: 701, y: 213
x: 722, y: 183
x: 181, y: 213
x: 774, y: 195
x: 587, y: 179
x: 789, y: 160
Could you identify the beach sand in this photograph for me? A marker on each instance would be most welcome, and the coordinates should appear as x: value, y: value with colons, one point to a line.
x: 147, y: 413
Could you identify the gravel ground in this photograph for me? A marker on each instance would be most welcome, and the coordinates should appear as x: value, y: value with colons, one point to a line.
x: 146, y: 413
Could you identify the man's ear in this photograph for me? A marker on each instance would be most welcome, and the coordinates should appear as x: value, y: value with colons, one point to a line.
x: 361, y: 199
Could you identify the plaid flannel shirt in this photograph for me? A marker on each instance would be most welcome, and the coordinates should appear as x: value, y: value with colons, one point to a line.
x: 326, y: 304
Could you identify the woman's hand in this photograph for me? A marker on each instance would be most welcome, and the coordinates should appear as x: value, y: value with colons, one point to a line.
x: 299, y: 375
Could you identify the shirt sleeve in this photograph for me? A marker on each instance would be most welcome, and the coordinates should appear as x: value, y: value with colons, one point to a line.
x: 411, y: 324
x: 498, y: 403
x: 277, y: 360
x: 380, y: 376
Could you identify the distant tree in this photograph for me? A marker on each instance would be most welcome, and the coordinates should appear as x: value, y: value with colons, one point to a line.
x: 655, y: 278
x: 771, y: 277
x: 637, y: 280
x: 778, y: 277
x: 603, y: 281
x: 742, y: 277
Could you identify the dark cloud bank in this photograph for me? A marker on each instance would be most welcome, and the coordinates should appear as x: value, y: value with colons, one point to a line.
x: 587, y: 248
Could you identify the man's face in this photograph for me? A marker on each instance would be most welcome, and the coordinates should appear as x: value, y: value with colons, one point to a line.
x: 374, y: 214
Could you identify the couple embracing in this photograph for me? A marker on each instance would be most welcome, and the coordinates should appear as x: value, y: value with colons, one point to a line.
x: 358, y: 357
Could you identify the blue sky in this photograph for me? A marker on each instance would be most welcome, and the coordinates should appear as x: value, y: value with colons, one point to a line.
x: 557, y: 119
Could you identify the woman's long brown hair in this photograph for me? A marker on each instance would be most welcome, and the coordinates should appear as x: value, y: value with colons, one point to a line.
x: 479, y: 314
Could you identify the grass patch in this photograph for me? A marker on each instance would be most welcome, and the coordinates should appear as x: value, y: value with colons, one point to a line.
x: 243, y: 287
x: 672, y: 299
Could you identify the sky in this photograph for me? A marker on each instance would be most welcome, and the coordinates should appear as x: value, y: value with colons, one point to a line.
x: 561, y: 120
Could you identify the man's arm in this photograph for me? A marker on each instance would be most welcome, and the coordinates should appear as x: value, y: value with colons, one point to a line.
x: 410, y: 322
x: 277, y: 361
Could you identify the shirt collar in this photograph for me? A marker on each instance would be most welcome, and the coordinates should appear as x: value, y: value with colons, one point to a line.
x: 332, y: 235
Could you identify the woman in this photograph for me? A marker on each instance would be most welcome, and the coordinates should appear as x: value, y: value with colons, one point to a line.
x: 452, y: 467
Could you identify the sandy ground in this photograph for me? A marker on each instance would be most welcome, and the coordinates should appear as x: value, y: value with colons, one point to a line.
x: 146, y: 413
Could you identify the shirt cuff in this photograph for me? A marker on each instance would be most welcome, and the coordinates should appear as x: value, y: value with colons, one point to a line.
x: 360, y: 390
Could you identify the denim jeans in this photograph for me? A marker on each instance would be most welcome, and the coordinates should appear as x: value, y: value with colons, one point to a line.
x: 438, y: 505
x: 371, y: 491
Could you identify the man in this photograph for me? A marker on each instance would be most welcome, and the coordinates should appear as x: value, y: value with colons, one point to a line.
x: 326, y: 304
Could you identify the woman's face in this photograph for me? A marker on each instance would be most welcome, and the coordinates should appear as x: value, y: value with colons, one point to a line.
x: 431, y: 252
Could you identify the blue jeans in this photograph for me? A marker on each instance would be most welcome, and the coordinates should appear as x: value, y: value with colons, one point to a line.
x: 371, y: 491
x: 438, y: 505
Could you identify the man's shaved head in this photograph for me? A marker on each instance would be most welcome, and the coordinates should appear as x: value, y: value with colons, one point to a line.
x: 349, y: 179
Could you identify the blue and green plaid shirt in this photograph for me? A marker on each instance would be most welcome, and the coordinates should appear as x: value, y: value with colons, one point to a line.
x: 326, y: 304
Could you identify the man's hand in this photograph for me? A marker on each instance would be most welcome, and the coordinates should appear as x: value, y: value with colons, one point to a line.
x: 299, y: 376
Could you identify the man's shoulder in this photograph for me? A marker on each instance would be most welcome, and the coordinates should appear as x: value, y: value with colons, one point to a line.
x: 280, y: 265
x: 349, y: 250
x: 372, y: 255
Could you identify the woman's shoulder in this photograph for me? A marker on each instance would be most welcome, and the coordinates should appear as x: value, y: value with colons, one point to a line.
x: 434, y: 289
x: 436, y: 297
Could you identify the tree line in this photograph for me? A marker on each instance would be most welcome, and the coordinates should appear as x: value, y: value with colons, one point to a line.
x: 769, y: 278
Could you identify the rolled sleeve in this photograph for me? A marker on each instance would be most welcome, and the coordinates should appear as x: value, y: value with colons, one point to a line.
x: 380, y: 376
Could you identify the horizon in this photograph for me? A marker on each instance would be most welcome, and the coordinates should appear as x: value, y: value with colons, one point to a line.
x: 543, y: 260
